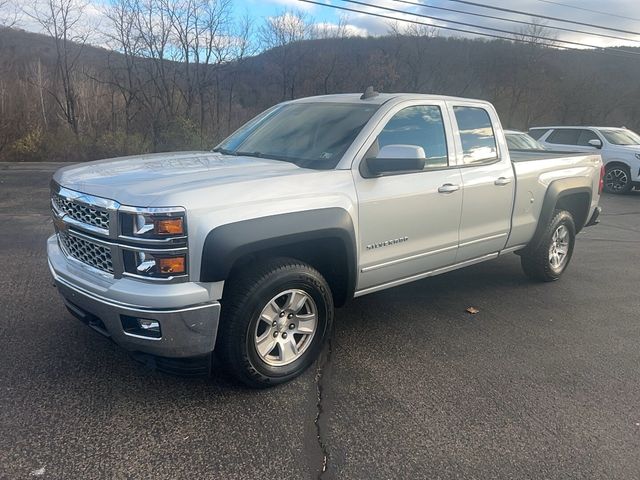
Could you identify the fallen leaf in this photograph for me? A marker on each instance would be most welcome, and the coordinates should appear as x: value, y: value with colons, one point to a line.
x: 472, y: 310
x: 37, y: 473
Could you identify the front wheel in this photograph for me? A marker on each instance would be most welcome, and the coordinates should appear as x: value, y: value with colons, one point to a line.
x: 550, y: 258
x: 275, y: 319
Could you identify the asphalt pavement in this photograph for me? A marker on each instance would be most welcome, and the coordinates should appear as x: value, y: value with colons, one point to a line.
x: 543, y: 382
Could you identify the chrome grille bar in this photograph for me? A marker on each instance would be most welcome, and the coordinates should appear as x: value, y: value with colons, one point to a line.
x: 88, y: 252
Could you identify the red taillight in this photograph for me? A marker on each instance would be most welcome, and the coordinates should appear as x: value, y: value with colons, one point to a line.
x: 601, y: 186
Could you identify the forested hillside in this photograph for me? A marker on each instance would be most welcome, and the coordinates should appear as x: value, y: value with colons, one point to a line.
x: 61, y: 100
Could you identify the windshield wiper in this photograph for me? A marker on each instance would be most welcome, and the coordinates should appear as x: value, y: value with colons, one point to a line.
x: 249, y: 154
x: 224, y: 151
x: 269, y: 156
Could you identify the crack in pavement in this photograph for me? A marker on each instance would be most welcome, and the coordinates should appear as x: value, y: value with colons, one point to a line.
x: 321, y: 374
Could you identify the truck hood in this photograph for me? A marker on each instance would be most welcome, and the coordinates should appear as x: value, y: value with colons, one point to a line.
x: 159, y: 179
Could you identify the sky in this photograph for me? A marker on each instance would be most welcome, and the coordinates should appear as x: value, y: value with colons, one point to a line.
x: 616, y: 14
x: 619, y: 14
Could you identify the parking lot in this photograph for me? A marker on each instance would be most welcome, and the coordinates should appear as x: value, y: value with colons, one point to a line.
x: 543, y: 382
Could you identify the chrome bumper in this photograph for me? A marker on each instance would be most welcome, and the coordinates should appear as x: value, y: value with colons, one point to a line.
x: 187, y: 330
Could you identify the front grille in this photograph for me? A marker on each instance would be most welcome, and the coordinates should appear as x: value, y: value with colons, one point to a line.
x: 81, y: 212
x: 87, y: 252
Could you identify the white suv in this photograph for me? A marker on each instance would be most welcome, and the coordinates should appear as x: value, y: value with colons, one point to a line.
x: 619, y: 147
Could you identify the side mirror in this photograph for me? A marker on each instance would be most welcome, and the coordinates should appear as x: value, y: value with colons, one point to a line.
x: 397, y: 158
x: 595, y: 142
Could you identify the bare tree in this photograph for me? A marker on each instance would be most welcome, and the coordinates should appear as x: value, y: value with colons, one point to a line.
x: 40, y: 82
x: 523, y: 82
x: 242, y: 46
x: 284, y: 34
x: 8, y: 14
x: 333, y: 36
x: 413, y: 51
x: 61, y: 20
x: 125, y: 69
x: 536, y: 33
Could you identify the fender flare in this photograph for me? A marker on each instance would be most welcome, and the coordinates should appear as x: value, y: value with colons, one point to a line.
x: 557, y: 190
x: 226, y: 244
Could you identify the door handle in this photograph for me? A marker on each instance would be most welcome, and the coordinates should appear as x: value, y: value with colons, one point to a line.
x: 502, y: 181
x: 448, y: 188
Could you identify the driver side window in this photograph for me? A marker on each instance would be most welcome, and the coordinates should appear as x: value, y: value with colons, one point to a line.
x: 420, y: 126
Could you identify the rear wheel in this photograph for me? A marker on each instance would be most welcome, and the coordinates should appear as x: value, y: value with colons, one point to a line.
x: 550, y: 258
x: 617, y: 179
x: 275, y: 319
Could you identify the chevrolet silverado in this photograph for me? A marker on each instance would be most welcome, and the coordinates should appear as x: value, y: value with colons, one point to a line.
x: 246, y: 250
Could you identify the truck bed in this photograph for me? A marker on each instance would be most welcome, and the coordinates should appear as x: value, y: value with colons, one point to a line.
x: 529, y: 155
x: 534, y: 171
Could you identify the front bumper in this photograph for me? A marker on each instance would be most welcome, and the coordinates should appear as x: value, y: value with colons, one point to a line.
x: 187, y: 314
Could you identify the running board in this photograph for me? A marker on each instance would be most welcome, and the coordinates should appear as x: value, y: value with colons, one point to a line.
x: 420, y: 276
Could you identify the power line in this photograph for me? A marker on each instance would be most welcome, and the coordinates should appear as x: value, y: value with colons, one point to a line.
x: 546, y: 17
x: 492, y: 29
x: 600, y: 12
x: 521, y: 22
x: 483, y: 34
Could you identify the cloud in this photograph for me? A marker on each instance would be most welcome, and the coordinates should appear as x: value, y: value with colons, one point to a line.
x: 349, y: 30
x: 292, y: 4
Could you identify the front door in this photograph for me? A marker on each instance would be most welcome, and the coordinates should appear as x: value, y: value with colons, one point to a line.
x: 408, y: 222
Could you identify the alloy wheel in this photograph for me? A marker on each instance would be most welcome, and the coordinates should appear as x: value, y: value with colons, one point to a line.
x: 616, y: 179
x: 286, y: 327
x: 559, y: 248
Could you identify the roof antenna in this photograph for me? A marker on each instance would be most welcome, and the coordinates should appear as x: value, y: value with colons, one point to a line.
x: 369, y: 93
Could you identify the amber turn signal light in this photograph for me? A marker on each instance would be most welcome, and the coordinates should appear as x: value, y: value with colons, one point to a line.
x: 169, y: 226
x: 175, y: 265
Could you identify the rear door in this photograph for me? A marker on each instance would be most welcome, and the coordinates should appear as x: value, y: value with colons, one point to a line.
x: 408, y: 222
x: 488, y: 180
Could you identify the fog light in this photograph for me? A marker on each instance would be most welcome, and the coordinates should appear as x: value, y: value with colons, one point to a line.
x: 150, y: 325
x: 151, y: 265
x: 171, y: 264
x: 143, y: 327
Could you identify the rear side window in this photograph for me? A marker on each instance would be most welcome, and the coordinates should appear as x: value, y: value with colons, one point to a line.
x: 476, y: 134
x: 536, y: 133
x: 564, y: 136
x: 421, y: 126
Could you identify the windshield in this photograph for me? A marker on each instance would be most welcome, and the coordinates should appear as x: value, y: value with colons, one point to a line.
x: 621, y: 137
x: 313, y: 135
x: 522, y: 141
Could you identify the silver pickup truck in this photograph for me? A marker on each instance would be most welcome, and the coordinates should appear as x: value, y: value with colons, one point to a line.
x: 246, y: 249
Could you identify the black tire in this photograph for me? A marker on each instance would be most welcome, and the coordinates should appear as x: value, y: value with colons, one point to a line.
x: 612, y: 179
x: 536, y: 262
x: 246, y: 294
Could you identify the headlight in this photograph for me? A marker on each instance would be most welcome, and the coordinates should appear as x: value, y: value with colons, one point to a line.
x: 158, y: 224
x: 156, y: 241
x: 638, y: 156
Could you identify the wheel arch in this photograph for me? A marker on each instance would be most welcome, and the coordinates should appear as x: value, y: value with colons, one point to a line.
x: 571, y: 194
x: 323, y: 238
x: 616, y: 162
